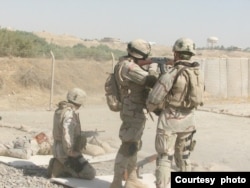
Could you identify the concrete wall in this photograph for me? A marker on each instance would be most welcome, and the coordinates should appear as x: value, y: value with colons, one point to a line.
x: 226, y: 77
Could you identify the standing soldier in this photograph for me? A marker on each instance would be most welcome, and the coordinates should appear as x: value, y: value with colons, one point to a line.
x: 134, y: 81
x: 177, y: 93
x: 68, y: 142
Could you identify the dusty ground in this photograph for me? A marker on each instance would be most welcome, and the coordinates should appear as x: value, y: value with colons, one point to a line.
x: 222, y: 136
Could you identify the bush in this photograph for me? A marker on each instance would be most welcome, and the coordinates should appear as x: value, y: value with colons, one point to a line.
x: 28, y: 45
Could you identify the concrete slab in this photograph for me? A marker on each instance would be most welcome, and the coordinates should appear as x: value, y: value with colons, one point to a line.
x: 41, y: 160
x: 99, y: 181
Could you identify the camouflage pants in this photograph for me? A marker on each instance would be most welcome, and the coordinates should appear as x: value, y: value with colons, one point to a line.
x: 130, y: 134
x: 57, y: 168
x: 171, y: 146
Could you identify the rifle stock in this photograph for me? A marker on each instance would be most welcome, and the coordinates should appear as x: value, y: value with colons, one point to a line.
x: 144, y: 161
x: 88, y: 134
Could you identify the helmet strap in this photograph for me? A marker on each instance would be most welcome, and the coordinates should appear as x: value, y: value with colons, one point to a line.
x: 76, y: 105
x: 132, y: 49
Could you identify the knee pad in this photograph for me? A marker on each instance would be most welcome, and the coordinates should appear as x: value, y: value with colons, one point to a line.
x: 165, y: 143
x: 129, y: 148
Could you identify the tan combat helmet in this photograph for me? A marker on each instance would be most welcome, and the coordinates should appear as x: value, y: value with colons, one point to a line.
x: 76, y: 96
x: 184, y: 45
x: 139, y: 49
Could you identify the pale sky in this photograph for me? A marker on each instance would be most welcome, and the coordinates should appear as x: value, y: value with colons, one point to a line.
x: 160, y: 21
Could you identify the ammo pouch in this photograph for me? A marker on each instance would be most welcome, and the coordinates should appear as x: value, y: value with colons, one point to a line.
x: 75, y: 164
x: 192, y: 141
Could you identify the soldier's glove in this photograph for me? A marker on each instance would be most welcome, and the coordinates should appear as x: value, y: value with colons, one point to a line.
x: 146, y: 92
x: 150, y: 81
x: 157, y: 111
x: 74, y: 163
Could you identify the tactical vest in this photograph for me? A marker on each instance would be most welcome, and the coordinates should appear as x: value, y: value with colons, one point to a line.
x: 58, y: 119
x: 188, y: 86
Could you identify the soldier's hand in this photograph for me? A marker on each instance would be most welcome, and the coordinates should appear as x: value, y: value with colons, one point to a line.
x: 150, y: 81
x: 74, y: 154
x: 157, y: 111
x: 142, y: 62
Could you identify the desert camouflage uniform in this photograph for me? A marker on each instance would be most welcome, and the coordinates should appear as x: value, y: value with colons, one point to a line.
x: 24, y: 147
x: 18, y: 148
x: 132, y: 116
x: 175, y: 127
x: 66, y: 133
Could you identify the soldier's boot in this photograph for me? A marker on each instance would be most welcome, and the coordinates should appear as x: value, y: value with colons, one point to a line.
x: 119, y: 170
x: 55, y: 168
x: 118, y: 175
x: 116, y: 183
x: 163, y: 171
x: 49, y: 169
x: 133, y: 181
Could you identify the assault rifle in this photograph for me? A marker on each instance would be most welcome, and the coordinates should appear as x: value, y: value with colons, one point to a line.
x: 144, y: 161
x: 81, y: 141
x: 88, y: 134
x: 161, y: 61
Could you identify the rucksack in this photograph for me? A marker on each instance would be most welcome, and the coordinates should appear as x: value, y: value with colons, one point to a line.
x: 113, y: 92
x: 194, y: 96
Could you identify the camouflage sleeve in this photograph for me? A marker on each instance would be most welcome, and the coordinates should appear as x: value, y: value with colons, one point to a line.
x: 134, y: 73
x: 160, y: 90
x: 68, y: 132
x: 153, y: 69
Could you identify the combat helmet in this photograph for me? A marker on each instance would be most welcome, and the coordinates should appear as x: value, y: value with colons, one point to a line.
x: 76, y: 96
x: 139, y: 49
x: 184, y: 45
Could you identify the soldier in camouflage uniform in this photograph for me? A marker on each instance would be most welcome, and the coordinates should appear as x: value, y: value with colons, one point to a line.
x: 18, y: 148
x: 68, y: 160
x: 23, y: 147
x: 134, y: 80
x: 176, y: 123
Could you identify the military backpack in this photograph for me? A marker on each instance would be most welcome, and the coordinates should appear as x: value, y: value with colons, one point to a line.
x: 188, y: 86
x: 113, y: 89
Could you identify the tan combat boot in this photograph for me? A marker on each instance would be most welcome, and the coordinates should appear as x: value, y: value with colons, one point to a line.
x: 116, y: 183
x: 134, y: 182
x: 55, y: 168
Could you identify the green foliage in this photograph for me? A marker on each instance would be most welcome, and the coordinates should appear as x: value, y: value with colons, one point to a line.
x: 21, y: 44
x: 25, y: 44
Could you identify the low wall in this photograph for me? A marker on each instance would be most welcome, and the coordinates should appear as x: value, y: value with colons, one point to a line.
x: 226, y: 77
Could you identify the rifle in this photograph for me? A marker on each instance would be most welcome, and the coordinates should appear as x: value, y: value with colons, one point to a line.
x: 144, y: 161
x: 88, y: 134
x: 161, y: 61
x: 81, y: 140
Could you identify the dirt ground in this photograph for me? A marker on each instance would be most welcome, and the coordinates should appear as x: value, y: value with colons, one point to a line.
x: 222, y: 132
